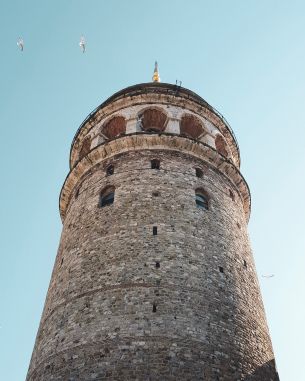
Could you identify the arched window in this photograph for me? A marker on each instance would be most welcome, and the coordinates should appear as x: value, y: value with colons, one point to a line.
x: 110, y: 170
x: 191, y: 126
x: 221, y: 145
x: 107, y: 196
x: 201, y: 198
x: 114, y: 127
x: 155, y: 164
x: 85, y: 147
x: 153, y: 120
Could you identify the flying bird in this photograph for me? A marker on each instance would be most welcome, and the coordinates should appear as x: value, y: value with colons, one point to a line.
x: 20, y: 44
x: 268, y: 276
x: 82, y: 44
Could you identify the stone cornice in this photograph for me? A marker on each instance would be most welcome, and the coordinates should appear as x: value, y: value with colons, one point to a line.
x: 150, y: 93
x: 144, y: 141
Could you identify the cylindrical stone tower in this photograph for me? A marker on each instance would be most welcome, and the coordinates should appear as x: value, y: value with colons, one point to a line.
x: 154, y: 277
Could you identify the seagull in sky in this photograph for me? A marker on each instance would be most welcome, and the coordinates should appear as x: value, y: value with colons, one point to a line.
x: 268, y: 276
x: 20, y: 44
x: 82, y: 44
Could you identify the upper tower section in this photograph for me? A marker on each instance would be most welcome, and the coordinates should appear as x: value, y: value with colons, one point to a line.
x: 154, y: 116
x: 155, y: 108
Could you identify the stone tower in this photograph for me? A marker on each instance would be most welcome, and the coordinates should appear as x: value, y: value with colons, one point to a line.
x: 154, y: 277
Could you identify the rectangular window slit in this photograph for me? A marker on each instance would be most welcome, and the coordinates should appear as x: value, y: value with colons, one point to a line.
x: 155, y: 164
x: 155, y: 230
x: 157, y: 265
x: 220, y: 269
x: 154, y: 308
x: 199, y: 172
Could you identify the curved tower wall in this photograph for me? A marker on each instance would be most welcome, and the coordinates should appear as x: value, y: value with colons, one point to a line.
x: 152, y: 287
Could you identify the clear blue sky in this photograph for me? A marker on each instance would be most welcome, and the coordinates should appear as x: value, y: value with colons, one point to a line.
x: 246, y: 58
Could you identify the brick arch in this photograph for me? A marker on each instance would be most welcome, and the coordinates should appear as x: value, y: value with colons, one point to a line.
x: 85, y: 148
x: 114, y: 127
x: 191, y: 126
x: 153, y: 119
x: 221, y: 145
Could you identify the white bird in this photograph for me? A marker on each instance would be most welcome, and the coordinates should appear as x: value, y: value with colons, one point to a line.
x: 82, y: 44
x: 20, y: 44
x: 268, y: 276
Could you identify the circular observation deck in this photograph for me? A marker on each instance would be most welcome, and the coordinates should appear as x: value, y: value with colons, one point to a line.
x: 155, y: 108
x: 154, y: 116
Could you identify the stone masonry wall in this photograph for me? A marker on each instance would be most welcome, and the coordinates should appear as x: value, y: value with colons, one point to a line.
x: 99, y: 322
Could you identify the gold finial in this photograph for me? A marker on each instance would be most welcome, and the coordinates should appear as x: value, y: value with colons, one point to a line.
x: 156, y: 77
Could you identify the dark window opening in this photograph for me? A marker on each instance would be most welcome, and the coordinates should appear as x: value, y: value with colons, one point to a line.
x: 107, y: 200
x: 220, y: 269
x: 76, y: 193
x: 62, y: 261
x: 157, y: 265
x: 155, y: 164
x: 107, y: 197
x: 110, y: 170
x: 201, y: 200
x: 245, y: 264
x: 154, y: 308
x: 156, y: 194
x: 238, y: 225
x: 155, y: 230
x: 199, y: 172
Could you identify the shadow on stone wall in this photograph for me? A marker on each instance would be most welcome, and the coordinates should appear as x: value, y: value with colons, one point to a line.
x: 266, y: 372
